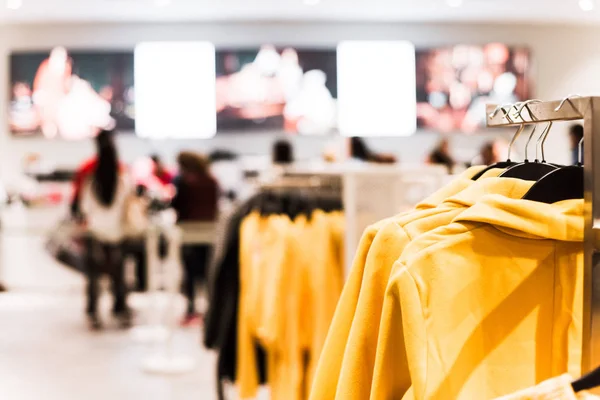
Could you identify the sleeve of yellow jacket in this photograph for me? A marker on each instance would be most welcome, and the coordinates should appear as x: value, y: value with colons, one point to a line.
x: 477, y: 302
x: 330, y: 362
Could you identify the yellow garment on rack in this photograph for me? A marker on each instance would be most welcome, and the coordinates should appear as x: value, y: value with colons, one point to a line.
x: 290, y: 282
x: 285, y: 356
x: 558, y: 388
x: 359, y: 359
x: 263, y: 252
x: 308, y: 294
x: 327, y: 281
x: 330, y: 362
x: 484, y: 306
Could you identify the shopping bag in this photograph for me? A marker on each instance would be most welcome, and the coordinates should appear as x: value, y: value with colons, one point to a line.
x: 66, y: 244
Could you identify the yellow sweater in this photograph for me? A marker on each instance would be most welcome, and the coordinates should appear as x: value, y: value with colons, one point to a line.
x: 263, y: 256
x: 359, y: 358
x: 290, y: 281
x: 485, y: 306
x: 330, y: 362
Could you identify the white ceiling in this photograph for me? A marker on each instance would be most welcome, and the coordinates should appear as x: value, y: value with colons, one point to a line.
x: 554, y: 11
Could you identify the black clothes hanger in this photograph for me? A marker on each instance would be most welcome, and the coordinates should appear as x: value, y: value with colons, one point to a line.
x: 501, y: 165
x: 588, y: 381
x: 531, y: 171
x: 561, y: 184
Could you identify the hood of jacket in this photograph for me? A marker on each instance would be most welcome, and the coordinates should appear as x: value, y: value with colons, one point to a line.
x: 529, y: 219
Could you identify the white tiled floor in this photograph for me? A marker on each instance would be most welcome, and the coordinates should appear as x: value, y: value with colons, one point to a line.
x: 47, y: 352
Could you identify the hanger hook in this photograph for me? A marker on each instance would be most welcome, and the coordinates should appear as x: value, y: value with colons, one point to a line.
x: 515, y: 136
x: 580, y: 152
x: 545, y: 136
x: 537, y: 143
x: 568, y: 99
x: 528, y: 141
x: 525, y: 104
x: 501, y: 108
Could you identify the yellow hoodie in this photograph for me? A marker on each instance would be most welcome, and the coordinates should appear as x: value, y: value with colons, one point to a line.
x: 485, y: 306
x: 330, y: 361
x: 264, y: 253
x: 287, y: 298
x: 359, y: 358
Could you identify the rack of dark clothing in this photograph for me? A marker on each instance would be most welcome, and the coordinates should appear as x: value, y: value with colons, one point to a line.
x: 289, y: 196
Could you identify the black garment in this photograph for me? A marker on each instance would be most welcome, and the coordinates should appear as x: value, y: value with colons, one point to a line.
x: 194, y: 259
x: 105, y: 258
x: 220, y: 321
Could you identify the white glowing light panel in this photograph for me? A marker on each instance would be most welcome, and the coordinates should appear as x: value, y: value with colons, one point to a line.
x: 376, y: 88
x: 175, y: 90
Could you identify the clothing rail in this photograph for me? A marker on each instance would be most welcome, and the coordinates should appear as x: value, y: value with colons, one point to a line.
x: 574, y: 108
x: 302, y: 182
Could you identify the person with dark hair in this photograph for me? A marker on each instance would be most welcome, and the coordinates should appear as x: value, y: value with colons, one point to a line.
x: 196, y: 200
x: 283, y: 153
x: 360, y: 151
x: 441, y: 155
x: 103, y: 197
x: 487, y: 154
x: 160, y: 171
x: 575, y: 136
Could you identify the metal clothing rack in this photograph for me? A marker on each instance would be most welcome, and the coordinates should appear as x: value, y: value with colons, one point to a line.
x: 327, y: 185
x: 568, y: 109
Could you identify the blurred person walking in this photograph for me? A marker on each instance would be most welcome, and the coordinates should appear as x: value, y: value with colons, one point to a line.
x: 575, y: 136
x: 160, y: 171
x: 441, y: 155
x: 196, y: 200
x: 488, y: 154
x: 103, y: 199
x: 360, y: 151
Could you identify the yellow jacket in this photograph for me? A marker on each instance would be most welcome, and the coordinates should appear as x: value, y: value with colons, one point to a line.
x: 485, y: 306
x: 330, y: 362
x: 359, y: 358
x: 287, y: 298
x: 263, y: 254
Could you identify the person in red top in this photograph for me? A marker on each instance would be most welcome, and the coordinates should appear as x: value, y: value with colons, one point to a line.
x: 86, y: 169
x: 161, y: 172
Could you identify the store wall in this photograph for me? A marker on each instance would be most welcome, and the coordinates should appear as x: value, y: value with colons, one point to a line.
x: 567, y: 61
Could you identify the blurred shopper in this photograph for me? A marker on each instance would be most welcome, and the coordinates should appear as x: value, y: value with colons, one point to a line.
x: 104, y: 195
x: 575, y: 136
x: 196, y: 200
x: 360, y: 151
x: 487, y: 154
x: 441, y: 155
x: 283, y: 153
x: 83, y: 172
x: 160, y: 171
